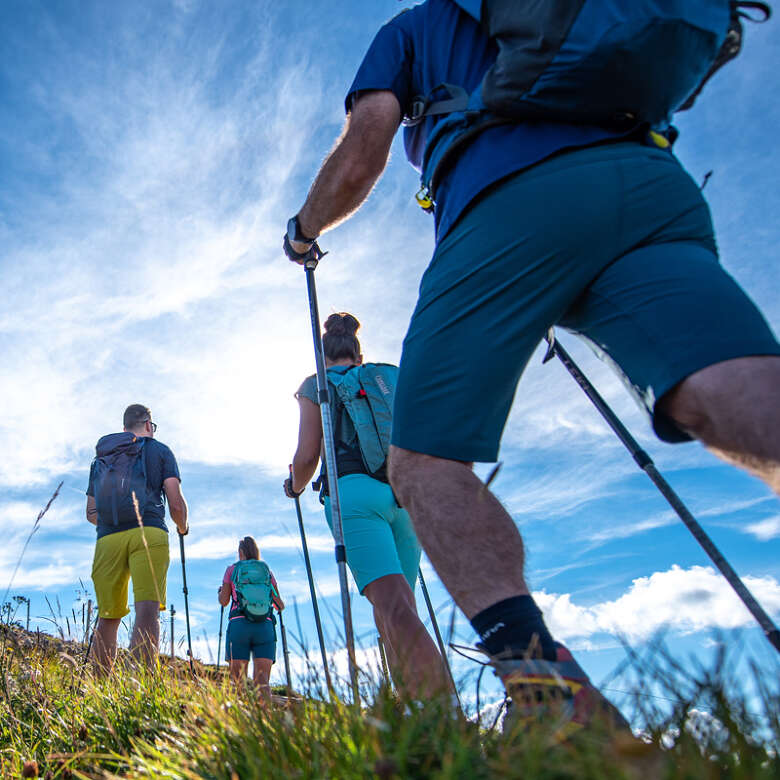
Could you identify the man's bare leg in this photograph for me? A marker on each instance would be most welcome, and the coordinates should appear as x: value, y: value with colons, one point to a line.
x: 470, y: 539
x: 146, y: 632
x: 417, y: 666
x: 733, y: 408
x: 104, y: 644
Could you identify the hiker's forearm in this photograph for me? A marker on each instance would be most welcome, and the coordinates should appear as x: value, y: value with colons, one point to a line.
x: 223, y: 595
x: 355, y: 164
x: 303, y: 469
x: 343, y: 183
x: 91, y: 511
x: 178, y: 510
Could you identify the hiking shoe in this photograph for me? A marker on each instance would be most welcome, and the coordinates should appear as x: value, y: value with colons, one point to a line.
x: 556, y: 693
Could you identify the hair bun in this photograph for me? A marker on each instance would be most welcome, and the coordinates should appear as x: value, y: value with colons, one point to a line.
x: 342, y: 324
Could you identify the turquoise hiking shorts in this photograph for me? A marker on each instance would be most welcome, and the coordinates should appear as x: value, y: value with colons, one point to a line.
x: 378, y: 534
x: 614, y: 243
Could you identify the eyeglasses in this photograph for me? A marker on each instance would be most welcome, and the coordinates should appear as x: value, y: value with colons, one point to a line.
x: 153, y: 424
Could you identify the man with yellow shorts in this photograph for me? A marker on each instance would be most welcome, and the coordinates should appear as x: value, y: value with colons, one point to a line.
x: 128, y: 478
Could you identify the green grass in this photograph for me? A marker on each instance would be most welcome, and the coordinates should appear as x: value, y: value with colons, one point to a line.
x: 169, y: 725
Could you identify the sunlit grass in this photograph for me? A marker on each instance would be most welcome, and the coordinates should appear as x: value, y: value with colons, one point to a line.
x: 58, y: 721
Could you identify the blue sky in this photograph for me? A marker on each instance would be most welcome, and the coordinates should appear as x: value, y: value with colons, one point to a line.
x: 150, y: 155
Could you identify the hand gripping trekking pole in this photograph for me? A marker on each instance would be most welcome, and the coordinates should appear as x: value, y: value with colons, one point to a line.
x: 645, y: 463
x: 330, y: 467
x: 219, y: 643
x: 286, y: 654
x: 186, y: 602
x: 440, y: 642
x: 313, y: 593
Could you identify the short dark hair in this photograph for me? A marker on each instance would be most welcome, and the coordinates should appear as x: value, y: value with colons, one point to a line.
x: 248, y: 546
x: 135, y: 415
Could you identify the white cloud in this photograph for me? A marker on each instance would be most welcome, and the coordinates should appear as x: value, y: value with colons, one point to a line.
x: 764, y: 530
x: 218, y: 546
x: 685, y: 600
x: 40, y: 577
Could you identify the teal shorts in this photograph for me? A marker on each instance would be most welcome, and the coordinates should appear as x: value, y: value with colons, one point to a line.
x: 378, y: 534
x: 614, y: 243
x: 245, y: 639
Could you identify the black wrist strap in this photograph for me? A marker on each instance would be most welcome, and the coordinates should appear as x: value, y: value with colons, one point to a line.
x: 295, y: 233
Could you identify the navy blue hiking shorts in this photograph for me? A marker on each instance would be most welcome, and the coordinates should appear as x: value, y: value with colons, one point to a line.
x: 614, y: 243
x: 246, y: 639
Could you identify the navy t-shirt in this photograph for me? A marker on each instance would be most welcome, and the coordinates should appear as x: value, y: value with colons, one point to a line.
x: 435, y: 43
x: 160, y: 465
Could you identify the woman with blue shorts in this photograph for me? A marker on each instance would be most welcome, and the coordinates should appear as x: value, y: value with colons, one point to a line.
x: 246, y: 639
x: 382, y: 550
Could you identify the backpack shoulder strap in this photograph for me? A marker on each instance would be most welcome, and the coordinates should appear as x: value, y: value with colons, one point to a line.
x: 472, y: 7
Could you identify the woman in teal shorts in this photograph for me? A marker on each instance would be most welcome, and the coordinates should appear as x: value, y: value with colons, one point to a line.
x: 382, y: 549
x: 246, y: 639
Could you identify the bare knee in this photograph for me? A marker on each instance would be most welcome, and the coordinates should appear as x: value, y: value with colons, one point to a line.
x: 733, y: 396
x: 412, y: 472
x: 403, y: 466
x: 686, y: 407
x: 392, y: 600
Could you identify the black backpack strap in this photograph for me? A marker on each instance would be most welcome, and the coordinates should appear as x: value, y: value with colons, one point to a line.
x: 423, y: 106
x: 732, y: 45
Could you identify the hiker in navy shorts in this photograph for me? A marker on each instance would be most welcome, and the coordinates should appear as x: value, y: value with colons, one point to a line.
x: 248, y: 637
x: 590, y: 227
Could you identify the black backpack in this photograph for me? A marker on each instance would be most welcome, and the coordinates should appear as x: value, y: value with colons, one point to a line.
x: 118, y: 474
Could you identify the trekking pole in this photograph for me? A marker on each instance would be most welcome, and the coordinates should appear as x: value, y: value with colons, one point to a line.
x: 313, y: 593
x: 436, y: 631
x: 219, y: 642
x: 332, y: 475
x: 286, y: 654
x: 186, y: 601
x: 645, y: 462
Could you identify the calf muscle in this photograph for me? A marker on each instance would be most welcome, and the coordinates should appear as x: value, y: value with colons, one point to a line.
x: 470, y: 539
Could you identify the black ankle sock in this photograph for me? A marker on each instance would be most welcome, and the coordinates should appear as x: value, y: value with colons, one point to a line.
x: 509, y: 627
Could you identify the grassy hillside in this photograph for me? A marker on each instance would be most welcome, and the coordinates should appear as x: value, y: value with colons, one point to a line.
x: 56, y: 721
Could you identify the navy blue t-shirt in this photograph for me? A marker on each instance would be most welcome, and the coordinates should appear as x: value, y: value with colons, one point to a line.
x: 435, y: 43
x: 160, y: 465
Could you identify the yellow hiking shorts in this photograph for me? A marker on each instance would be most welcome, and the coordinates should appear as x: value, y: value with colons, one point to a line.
x: 123, y: 555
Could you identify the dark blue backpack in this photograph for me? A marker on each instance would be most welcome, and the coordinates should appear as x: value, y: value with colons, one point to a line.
x: 622, y: 65
x: 118, y: 472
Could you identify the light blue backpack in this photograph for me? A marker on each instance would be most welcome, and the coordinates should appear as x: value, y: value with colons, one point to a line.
x: 254, y: 589
x: 366, y: 394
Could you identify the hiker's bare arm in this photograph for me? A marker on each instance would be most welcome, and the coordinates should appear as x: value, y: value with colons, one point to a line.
x: 355, y: 164
x: 177, y: 506
x: 223, y: 594
x: 307, y: 456
x: 275, y: 597
x: 91, y: 510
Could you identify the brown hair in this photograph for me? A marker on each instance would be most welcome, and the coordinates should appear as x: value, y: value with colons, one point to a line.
x: 339, y: 340
x: 135, y: 415
x: 248, y: 546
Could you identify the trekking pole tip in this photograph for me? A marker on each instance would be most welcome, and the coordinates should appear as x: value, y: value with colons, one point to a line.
x: 551, y: 345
